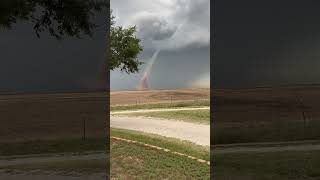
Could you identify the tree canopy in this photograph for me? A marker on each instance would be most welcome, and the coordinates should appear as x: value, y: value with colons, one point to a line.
x: 73, y: 18
x: 60, y: 18
x: 125, y: 47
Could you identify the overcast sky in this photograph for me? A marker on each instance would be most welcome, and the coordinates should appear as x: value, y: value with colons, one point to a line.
x: 31, y: 64
x: 180, y: 29
x: 266, y: 43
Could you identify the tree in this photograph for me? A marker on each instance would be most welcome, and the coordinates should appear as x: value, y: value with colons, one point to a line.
x: 72, y: 18
x: 124, y: 47
x: 60, y: 18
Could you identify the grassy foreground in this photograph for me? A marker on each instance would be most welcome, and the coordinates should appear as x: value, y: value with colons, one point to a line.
x: 194, y: 116
x: 69, y: 168
x: 132, y: 161
x: 53, y: 146
x: 267, y: 166
x: 196, y: 103
x: 65, y: 167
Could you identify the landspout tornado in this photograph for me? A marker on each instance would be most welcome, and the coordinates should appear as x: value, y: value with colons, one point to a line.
x: 144, y: 82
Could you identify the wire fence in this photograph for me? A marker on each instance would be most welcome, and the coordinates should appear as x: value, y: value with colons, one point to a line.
x: 267, y: 121
x: 170, y: 100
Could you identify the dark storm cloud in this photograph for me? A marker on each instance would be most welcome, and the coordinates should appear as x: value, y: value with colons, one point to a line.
x: 152, y: 27
x: 31, y: 64
x: 180, y: 29
x: 262, y: 43
x: 174, y: 69
x: 168, y: 25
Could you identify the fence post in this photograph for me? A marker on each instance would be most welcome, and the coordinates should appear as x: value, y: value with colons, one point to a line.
x: 303, y: 117
x: 84, y: 129
x: 304, y: 123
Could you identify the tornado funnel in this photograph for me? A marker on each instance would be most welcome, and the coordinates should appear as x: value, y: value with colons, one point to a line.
x: 144, y: 82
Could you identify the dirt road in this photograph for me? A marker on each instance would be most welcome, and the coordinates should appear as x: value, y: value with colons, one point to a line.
x: 196, y: 133
x: 8, y: 176
x: 30, y: 159
x: 266, y: 147
x: 159, y: 110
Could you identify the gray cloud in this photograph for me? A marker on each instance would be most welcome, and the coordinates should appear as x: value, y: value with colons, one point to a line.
x: 31, y: 64
x: 152, y: 27
x: 173, y: 69
x: 168, y: 25
x: 266, y: 43
x: 180, y: 29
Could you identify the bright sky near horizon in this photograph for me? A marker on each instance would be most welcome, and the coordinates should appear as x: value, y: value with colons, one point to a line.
x: 180, y: 29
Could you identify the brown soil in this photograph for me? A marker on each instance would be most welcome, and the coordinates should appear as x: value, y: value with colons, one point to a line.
x: 284, y: 113
x: 45, y: 116
x: 157, y: 96
x: 265, y: 103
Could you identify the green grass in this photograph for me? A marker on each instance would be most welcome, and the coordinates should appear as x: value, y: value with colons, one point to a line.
x: 196, y: 103
x: 133, y: 161
x: 195, y: 116
x: 53, y: 146
x: 267, y: 166
x: 73, y: 167
x: 164, y: 142
x: 265, y: 131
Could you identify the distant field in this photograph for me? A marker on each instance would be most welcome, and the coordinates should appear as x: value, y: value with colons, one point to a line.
x: 181, y: 104
x: 194, y: 116
x: 266, y: 114
x: 165, y: 99
x: 132, y: 161
x: 157, y: 96
x: 62, y: 123
x: 268, y: 166
x: 52, y: 116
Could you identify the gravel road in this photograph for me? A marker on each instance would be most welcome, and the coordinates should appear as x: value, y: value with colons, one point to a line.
x: 196, y: 133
